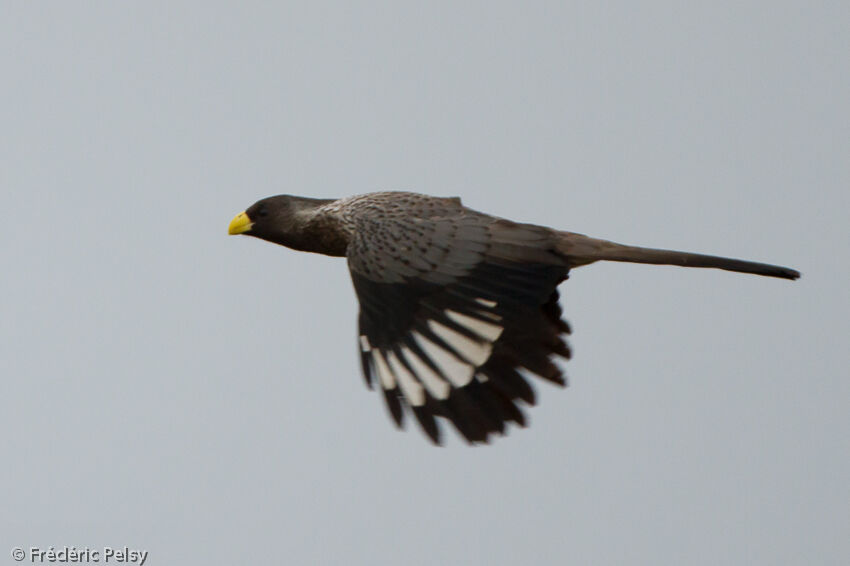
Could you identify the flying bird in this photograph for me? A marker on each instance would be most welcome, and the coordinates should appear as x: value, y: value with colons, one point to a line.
x: 457, y: 307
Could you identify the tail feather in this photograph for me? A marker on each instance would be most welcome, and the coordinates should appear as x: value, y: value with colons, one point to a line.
x: 582, y: 250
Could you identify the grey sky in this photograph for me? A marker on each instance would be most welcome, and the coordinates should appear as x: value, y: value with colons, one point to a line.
x: 169, y: 388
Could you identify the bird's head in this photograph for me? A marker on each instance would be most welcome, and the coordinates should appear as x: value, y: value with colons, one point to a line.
x: 283, y: 219
x: 269, y: 218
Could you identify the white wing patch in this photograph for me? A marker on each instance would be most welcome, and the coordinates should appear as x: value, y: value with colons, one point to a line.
x: 436, y: 385
x: 413, y: 373
x: 485, y: 330
x: 485, y: 302
x: 384, y: 372
x: 474, y: 352
x: 411, y: 388
x: 458, y: 372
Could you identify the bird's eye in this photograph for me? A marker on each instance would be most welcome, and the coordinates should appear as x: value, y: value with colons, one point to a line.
x: 262, y: 213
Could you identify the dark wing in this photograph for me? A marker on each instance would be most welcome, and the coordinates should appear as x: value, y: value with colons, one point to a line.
x: 450, y: 309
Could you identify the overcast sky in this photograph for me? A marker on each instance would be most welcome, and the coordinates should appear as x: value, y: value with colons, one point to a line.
x: 169, y: 388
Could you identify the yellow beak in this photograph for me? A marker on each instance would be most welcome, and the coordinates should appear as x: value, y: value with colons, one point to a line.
x: 240, y: 224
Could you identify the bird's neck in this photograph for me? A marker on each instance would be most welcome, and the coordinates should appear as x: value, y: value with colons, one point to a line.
x: 320, y: 229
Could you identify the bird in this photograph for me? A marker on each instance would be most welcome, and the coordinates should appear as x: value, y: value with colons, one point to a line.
x: 459, y: 310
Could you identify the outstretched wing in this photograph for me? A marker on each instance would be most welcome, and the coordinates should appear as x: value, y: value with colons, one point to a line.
x: 451, y: 308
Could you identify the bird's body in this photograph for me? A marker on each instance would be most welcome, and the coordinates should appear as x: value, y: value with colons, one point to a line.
x: 455, y: 305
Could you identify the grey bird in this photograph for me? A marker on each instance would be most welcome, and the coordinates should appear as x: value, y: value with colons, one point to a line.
x: 457, y: 307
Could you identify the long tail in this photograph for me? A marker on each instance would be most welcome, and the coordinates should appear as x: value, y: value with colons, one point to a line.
x: 582, y: 250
